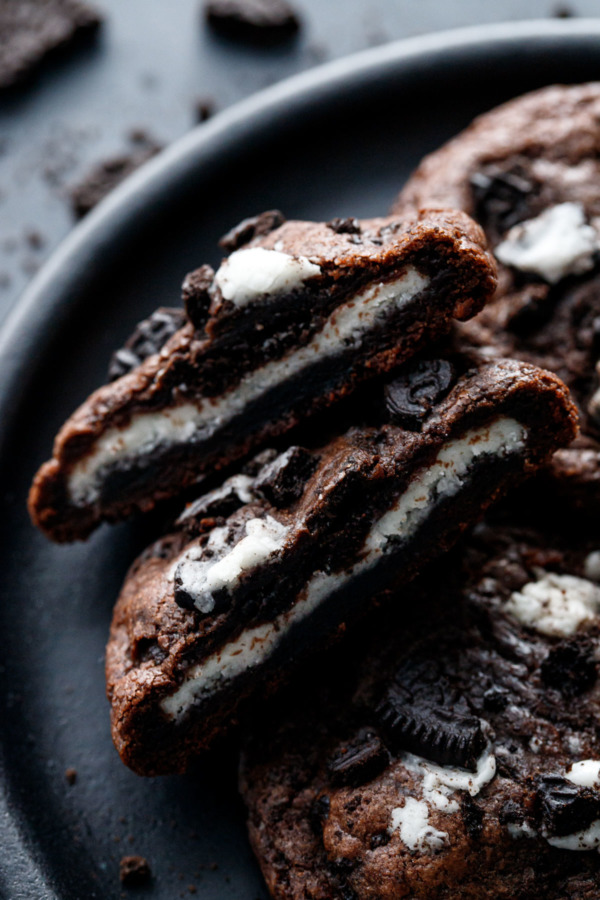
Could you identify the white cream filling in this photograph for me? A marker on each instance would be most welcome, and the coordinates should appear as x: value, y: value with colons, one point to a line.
x: 412, y: 820
x: 201, y: 578
x: 591, y: 566
x: 249, y: 274
x: 440, y: 782
x: 437, y: 786
x: 555, y: 244
x: 520, y: 830
x: 588, y: 839
x: 585, y: 773
x: 555, y: 605
x: 443, y: 478
x: 241, y: 484
x: 345, y: 328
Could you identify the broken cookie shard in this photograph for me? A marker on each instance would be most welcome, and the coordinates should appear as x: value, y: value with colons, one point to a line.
x: 235, y: 608
x: 298, y: 319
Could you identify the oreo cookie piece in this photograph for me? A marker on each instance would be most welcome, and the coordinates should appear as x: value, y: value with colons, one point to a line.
x: 234, y: 604
x: 106, y: 175
x: 564, y: 807
x: 288, y: 326
x: 33, y: 30
x: 262, y: 21
x: 412, y: 395
x: 529, y: 173
x: 149, y: 336
x: 422, y: 827
x: 421, y: 725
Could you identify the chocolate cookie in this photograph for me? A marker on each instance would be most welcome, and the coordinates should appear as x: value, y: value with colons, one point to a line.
x: 290, y: 324
x: 463, y: 760
x: 529, y: 173
x: 270, y: 566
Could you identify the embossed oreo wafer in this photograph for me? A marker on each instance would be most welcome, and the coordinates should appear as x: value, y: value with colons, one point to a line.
x: 289, y: 324
x: 529, y: 173
x: 463, y: 760
x: 268, y: 567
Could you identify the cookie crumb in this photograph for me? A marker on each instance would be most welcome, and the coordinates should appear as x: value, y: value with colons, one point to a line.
x: 563, y: 12
x: 204, y: 109
x: 71, y: 775
x: 134, y: 870
x: 35, y: 239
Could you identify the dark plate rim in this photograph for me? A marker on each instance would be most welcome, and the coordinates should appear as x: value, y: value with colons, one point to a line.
x: 52, y: 295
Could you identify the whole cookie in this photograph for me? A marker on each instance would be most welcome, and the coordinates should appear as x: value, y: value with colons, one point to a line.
x: 529, y: 173
x: 463, y: 760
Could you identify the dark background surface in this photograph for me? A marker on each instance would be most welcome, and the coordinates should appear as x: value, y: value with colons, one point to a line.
x: 55, y: 602
x: 151, y: 63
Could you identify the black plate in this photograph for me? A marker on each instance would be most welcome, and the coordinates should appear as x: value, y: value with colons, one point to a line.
x: 339, y: 140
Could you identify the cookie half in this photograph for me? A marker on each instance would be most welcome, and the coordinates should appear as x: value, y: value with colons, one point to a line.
x: 529, y: 173
x: 270, y: 566
x: 290, y: 324
x: 463, y: 760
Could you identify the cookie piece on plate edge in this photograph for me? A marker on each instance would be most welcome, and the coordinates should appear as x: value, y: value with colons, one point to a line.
x: 271, y: 565
x: 463, y: 759
x: 529, y: 173
x: 290, y: 324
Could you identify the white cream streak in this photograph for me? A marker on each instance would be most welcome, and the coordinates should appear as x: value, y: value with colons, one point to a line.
x: 444, y: 477
x: 249, y: 274
x: 147, y: 431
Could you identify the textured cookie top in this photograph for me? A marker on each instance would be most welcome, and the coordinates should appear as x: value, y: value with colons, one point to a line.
x: 552, y: 133
x: 464, y: 759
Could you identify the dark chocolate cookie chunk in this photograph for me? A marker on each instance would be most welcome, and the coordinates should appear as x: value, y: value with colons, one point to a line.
x: 290, y: 325
x: 236, y: 599
x: 283, y: 480
x: 254, y: 20
x: 358, y: 760
x: 195, y: 292
x: 251, y: 228
x: 31, y: 30
x: 522, y: 820
x: 529, y: 173
x: 345, y: 226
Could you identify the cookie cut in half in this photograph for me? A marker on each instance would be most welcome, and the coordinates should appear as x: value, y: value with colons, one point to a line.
x: 463, y: 759
x: 529, y: 173
x: 268, y: 567
x: 290, y: 323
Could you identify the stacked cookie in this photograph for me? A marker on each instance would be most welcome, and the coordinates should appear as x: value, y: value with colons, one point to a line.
x: 335, y: 407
